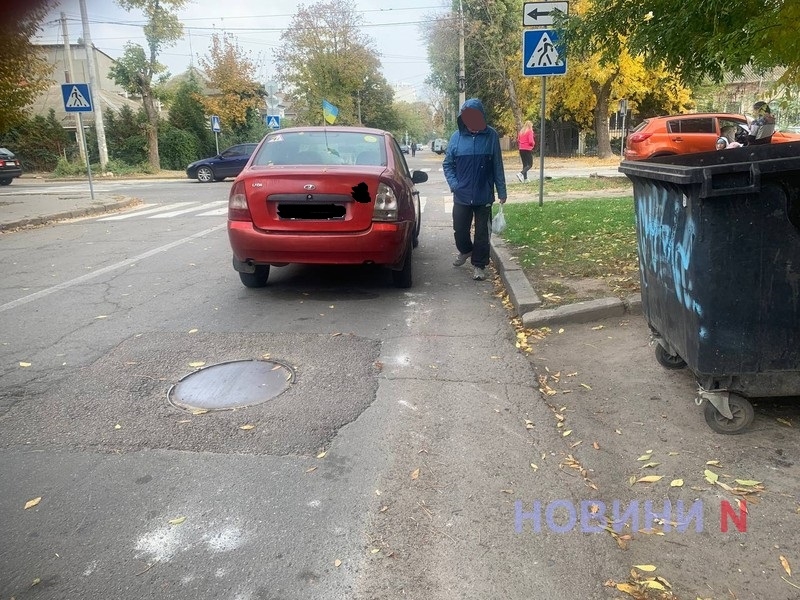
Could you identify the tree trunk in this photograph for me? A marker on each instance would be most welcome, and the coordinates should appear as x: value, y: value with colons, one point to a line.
x: 602, y: 94
x: 152, y: 130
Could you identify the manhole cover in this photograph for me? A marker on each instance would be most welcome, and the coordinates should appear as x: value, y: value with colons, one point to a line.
x: 233, y: 384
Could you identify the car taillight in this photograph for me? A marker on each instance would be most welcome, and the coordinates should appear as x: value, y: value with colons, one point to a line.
x: 385, y: 204
x: 639, y: 137
x: 237, y: 204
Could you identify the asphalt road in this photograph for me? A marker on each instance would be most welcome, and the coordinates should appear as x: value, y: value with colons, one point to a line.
x: 406, y: 459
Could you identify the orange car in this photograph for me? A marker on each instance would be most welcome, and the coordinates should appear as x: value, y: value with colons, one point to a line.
x: 685, y: 134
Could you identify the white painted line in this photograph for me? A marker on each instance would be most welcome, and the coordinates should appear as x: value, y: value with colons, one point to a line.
x: 89, y: 276
x: 139, y: 213
x: 214, y: 213
x: 175, y: 213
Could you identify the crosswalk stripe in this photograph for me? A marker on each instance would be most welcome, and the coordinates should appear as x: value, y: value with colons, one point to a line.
x: 175, y: 213
x: 218, y: 212
x: 139, y: 213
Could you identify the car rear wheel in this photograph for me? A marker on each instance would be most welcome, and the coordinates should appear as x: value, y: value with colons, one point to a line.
x: 404, y: 277
x: 205, y: 175
x: 5, y: 182
x: 257, y: 279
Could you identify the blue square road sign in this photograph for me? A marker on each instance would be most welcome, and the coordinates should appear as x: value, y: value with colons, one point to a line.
x: 76, y: 97
x: 542, y: 54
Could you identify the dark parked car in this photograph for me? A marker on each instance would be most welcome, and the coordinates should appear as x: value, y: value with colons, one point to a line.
x: 325, y: 196
x: 10, y: 166
x: 228, y: 163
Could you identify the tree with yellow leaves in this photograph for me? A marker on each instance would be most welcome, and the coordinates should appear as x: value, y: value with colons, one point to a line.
x: 235, y: 94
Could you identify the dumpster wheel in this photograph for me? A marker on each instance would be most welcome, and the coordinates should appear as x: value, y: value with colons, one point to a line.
x: 741, y: 410
x: 667, y: 360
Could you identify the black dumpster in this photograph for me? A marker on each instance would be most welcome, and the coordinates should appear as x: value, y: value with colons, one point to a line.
x: 719, y: 259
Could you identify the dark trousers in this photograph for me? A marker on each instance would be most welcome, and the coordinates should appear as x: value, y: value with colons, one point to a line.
x: 463, y: 216
x: 527, y: 161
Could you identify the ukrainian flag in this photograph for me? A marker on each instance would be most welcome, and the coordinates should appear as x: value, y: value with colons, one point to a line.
x: 329, y: 111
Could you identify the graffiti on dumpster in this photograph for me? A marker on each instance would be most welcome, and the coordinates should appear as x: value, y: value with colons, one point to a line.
x: 666, y: 237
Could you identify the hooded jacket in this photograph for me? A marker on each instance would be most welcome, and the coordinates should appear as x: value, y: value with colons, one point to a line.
x: 473, y: 163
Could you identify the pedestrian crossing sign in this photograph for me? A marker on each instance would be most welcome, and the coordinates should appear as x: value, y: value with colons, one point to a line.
x: 76, y: 97
x: 273, y: 122
x: 542, y: 54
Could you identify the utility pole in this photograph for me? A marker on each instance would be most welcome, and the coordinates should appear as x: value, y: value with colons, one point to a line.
x: 462, y: 77
x: 68, y: 79
x: 94, y: 89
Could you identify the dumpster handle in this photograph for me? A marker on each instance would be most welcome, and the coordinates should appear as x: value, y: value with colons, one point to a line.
x: 709, y: 190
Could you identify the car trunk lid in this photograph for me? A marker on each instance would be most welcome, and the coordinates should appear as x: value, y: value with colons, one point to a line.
x: 312, y: 199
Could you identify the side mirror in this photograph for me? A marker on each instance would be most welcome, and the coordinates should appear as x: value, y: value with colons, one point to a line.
x: 419, y: 177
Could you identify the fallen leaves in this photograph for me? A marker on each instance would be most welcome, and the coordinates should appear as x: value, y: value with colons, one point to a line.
x: 415, y: 474
x: 785, y: 565
x: 197, y: 363
x: 649, y: 479
x: 32, y: 503
x: 24, y: 365
x: 176, y: 521
x: 247, y: 427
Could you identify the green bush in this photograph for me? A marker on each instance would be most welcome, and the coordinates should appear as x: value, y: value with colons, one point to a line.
x: 176, y: 147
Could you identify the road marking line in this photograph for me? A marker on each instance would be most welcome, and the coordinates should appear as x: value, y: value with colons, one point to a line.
x: 89, y: 276
x: 214, y: 213
x: 175, y: 213
x: 139, y: 213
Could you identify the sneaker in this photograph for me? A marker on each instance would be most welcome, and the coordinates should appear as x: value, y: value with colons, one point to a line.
x: 462, y: 258
x: 520, y: 177
x: 479, y: 274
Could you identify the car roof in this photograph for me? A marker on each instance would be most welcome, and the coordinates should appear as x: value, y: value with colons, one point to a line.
x: 695, y: 115
x: 334, y: 129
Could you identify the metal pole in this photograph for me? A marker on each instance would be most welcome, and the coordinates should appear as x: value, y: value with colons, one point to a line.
x: 542, y: 139
x: 68, y: 79
x: 88, y: 166
x: 462, y: 77
x: 216, y: 139
x: 94, y: 90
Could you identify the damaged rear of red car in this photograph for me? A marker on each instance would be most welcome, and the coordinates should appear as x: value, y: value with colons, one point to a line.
x: 325, y: 195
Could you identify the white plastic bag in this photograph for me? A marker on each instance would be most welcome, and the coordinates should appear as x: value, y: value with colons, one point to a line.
x: 499, y: 222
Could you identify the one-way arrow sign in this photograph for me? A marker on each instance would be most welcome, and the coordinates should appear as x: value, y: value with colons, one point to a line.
x: 535, y: 14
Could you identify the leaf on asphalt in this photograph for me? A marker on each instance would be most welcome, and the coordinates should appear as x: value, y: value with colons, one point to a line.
x: 311, y: 469
x: 586, y: 386
x: 785, y: 565
x: 595, y: 445
x: 32, y: 503
x: 618, y: 432
x: 415, y: 474
x: 374, y: 550
x: 528, y: 424
x: 337, y: 563
x: 713, y: 463
x: 575, y: 444
x: 632, y: 480
x: 566, y: 433
x: 629, y: 589
x: 784, y: 421
x: 711, y: 477
x: 598, y: 328
x: 383, y: 509
x: 36, y: 581
x: 198, y: 363
x: 247, y: 427
x: 676, y: 483
x: 507, y: 491
x: 650, y: 465
x: 747, y: 482
x: 101, y: 317
x: 645, y: 457
x: 193, y: 331
x: 649, y: 479
x: 534, y: 466
x: 199, y: 411
x: 177, y: 521
x: 653, y: 584
x: 561, y: 330
x: 322, y: 454
x: 673, y: 453
x: 646, y: 568
x: 117, y: 426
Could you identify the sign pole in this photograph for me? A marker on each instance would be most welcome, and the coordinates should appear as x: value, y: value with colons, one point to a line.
x: 88, y: 166
x: 542, y: 139
x: 216, y: 139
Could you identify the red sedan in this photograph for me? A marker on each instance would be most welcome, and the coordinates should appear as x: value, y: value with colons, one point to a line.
x: 325, y: 195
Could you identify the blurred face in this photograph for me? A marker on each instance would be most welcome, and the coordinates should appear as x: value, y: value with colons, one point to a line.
x: 720, y: 145
x: 473, y: 119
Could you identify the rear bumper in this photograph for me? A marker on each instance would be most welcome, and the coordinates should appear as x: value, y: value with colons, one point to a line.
x: 8, y: 173
x: 381, y: 244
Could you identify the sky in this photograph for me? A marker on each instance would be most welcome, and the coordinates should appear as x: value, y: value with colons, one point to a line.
x: 393, y: 25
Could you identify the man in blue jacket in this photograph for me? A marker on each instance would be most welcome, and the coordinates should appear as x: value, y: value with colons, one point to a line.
x: 473, y: 167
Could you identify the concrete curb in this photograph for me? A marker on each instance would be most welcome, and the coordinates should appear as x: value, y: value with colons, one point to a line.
x: 97, y: 208
x: 527, y: 303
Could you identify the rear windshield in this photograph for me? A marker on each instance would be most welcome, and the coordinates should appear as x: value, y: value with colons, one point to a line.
x: 321, y: 148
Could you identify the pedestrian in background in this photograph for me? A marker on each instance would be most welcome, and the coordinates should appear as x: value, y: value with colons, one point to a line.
x: 526, y: 142
x: 473, y: 167
x: 762, y: 128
